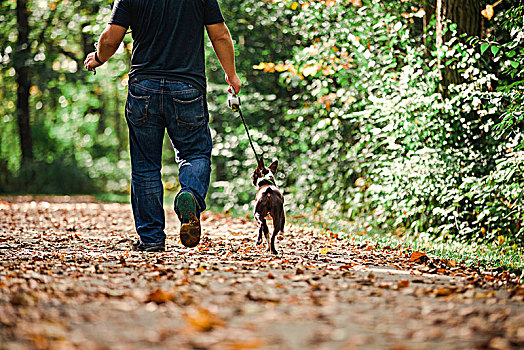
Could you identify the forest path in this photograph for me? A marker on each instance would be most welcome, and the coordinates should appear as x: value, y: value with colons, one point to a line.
x: 68, y: 280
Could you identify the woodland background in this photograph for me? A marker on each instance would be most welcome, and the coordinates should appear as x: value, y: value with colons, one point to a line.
x: 405, y: 116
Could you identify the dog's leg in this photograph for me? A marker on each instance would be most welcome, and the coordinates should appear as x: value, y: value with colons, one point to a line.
x: 260, y: 228
x: 266, y: 232
x: 277, y: 225
x: 259, y: 240
x: 276, y: 230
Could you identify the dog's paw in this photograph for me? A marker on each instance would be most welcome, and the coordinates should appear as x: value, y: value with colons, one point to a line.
x: 259, y: 241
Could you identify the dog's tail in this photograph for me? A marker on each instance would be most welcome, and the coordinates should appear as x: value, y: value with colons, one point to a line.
x: 267, y: 194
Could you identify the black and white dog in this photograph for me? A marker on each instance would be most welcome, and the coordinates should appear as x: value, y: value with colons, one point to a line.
x: 269, y: 204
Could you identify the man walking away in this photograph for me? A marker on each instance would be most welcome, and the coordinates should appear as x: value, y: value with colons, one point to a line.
x: 167, y: 91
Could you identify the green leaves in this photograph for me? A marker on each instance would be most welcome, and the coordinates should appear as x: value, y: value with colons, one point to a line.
x: 514, y: 64
x: 483, y: 48
x: 494, y: 49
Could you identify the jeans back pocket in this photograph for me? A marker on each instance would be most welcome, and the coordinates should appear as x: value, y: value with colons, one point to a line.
x: 137, y: 108
x: 189, y: 110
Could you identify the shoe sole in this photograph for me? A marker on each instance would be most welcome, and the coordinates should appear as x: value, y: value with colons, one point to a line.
x: 149, y: 249
x: 155, y: 249
x: 186, y: 205
x: 189, y: 232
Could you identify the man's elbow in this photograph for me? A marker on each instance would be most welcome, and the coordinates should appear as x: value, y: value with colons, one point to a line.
x: 222, y: 37
x: 109, y: 41
x: 219, y: 33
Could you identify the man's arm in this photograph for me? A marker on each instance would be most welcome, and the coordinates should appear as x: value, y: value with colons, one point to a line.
x: 107, y: 45
x: 223, y: 46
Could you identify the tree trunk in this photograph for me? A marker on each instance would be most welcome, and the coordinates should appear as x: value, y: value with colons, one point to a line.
x: 466, y: 15
x: 4, y: 171
x: 22, y: 56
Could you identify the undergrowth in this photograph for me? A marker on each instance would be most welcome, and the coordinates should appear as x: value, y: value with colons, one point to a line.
x: 492, y: 255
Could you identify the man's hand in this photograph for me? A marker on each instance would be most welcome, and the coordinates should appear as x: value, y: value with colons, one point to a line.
x: 90, y: 63
x: 107, y: 45
x: 234, y: 82
x: 223, y: 45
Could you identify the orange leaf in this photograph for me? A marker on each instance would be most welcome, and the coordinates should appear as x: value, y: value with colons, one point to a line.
x: 417, y: 256
x: 203, y: 320
x: 443, y: 292
x: 324, y: 251
x: 159, y: 296
x: 245, y: 345
x: 403, y: 284
x: 488, y: 12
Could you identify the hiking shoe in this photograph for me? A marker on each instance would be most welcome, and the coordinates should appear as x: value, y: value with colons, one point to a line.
x: 139, y: 246
x: 190, y: 229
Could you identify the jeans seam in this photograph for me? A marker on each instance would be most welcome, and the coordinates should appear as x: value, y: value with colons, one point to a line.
x: 163, y: 92
x: 146, y: 88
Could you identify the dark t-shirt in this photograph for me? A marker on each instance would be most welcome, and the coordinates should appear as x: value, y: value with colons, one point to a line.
x: 168, y: 37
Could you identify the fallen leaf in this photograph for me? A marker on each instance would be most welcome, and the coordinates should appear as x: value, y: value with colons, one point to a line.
x: 485, y: 295
x: 419, y: 257
x: 450, y: 263
x: 246, y: 345
x: 443, y: 292
x: 203, y: 320
x: 159, y: 296
x: 403, y: 284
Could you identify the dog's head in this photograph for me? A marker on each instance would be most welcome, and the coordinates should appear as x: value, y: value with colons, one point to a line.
x: 265, y: 176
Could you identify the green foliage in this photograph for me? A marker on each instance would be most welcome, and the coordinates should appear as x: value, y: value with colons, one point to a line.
x: 511, y: 61
x: 375, y: 139
x: 77, y: 127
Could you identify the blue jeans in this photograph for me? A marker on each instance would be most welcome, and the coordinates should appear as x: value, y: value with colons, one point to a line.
x: 152, y: 107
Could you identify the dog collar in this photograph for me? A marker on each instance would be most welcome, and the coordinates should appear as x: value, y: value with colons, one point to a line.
x: 262, y: 182
x: 266, y: 178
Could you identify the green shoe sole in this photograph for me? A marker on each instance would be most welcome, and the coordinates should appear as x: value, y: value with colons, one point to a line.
x: 186, y: 206
x: 190, y: 229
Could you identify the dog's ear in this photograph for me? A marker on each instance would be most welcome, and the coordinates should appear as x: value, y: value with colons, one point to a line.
x: 273, y: 167
x: 261, y: 162
x: 255, y: 176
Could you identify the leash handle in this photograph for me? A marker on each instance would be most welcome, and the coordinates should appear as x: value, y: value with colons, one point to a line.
x: 233, y: 101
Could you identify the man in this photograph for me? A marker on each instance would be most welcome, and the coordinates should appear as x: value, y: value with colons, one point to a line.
x: 167, y: 91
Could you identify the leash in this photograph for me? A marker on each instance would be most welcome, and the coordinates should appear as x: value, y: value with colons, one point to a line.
x: 234, y: 103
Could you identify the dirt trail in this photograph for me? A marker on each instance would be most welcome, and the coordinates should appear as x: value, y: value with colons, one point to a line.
x: 69, y: 280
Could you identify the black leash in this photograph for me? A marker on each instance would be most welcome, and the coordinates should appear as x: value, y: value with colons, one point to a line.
x: 249, y: 137
x: 234, y: 103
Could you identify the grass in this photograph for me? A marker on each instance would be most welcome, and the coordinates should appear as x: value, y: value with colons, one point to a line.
x: 112, y: 198
x: 488, y: 255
